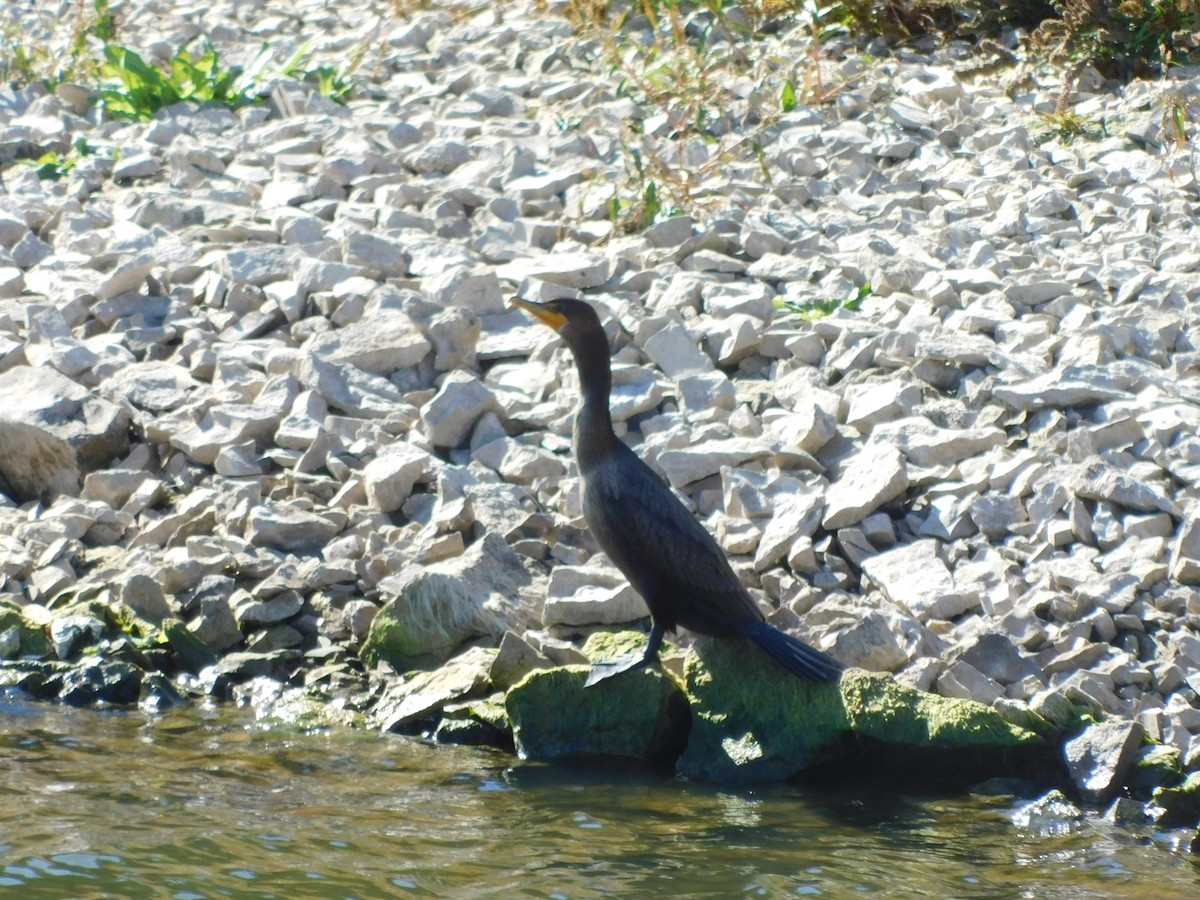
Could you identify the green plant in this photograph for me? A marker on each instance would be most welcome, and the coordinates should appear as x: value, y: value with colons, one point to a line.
x: 819, y: 309
x: 335, y: 83
x: 27, y: 59
x: 1066, y: 125
x: 53, y: 165
x: 1122, y: 38
x: 137, y: 90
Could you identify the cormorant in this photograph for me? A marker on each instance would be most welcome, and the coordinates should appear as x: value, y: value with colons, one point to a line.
x: 668, y: 556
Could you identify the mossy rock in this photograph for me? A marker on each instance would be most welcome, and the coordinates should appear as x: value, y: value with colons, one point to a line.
x: 391, y: 641
x: 604, y: 646
x: 1181, y: 804
x: 481, y: 722
x: 1157, y: 765
x: 753, y: 722
x: 30, y: 638
x: 640, y: 715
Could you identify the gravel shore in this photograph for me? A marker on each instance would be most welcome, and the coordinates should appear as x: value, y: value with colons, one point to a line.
x: 278, y: 341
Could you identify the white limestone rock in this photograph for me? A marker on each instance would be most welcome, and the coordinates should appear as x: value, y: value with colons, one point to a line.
x: 915, y: 577
x: 872, y: 477
x: 390, y: 476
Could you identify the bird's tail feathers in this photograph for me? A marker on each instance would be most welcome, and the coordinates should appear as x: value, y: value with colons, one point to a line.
x: 792, y: 653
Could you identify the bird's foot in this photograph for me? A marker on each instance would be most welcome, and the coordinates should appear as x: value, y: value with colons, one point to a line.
x: 603, y: 670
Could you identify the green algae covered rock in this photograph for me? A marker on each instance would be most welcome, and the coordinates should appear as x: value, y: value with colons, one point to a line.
x: 479, y: 722
x: 880, y: 708
x: 1181, y: 804
x: 753, y: 722
x: 640, y: 715
x: 604, y: 646
x: 20, y: 637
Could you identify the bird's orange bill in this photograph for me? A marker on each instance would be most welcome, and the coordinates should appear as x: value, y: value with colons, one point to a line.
x: 554, y: 319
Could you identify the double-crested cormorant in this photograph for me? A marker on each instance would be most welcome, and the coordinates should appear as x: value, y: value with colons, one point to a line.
x: 668, y: 556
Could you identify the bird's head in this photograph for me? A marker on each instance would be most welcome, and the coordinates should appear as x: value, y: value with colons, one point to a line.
x: 575, y: 320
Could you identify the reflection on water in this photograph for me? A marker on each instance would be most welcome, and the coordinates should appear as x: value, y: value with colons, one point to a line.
x: 202, y: 803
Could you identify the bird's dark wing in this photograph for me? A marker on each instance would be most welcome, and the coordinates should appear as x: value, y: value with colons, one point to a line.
x: 668, y: 556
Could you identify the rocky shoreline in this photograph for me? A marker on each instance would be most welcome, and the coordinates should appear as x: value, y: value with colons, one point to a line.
x: 319, y: 453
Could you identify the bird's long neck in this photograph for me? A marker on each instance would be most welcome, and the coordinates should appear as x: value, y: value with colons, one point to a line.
x: 594, y: 436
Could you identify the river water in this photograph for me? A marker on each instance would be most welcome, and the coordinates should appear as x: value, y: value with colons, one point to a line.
x: 208, y: 802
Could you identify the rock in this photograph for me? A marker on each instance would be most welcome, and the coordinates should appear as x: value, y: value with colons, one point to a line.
x: 454, y: 410
x: 455, y: 333
x: 962, y: 680
x: 481, y: 722
x: 152, y: 385
x: 379, y: 343
x: 573, y: 270
x: 1099, y: 759
x: 674, y: 351
x: 925, y: 444
x: 640, y: 715
x: 871, y: 478
x: 412, y: 701
x: 349, y: 389
x: 284, y: 527
x: 869, y: 643
x: 23, y: 637
x: 216, y: 625
x: 142, y: 594
x: 518, y: 462
x: 377, y: 254
x: 873, y: 404
x: 588, y: 596
x: 96, y: 429
x: 101, y: 681
x: 34, y: 464
x: 1052, y: 815
x: 749, y: 724
x: 1180, y: 805
x: 515, y: 658
x: 70, y: 634
x: 915, y: 577
x: 793, y: 517
x: 1055, y: 391
x: 390, y: 476
x: 1096, y: 480
x: 1185, y: 557
x: 994, y: 656
x: 250, y: 611
x: 434, y: 609
x: 684, y: 466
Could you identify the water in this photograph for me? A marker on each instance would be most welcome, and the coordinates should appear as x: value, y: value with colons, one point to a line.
x: 202, y: 803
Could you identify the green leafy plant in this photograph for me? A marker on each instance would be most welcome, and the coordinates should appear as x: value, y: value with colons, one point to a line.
x: 819, y: 309
x: 136, y: 90
x: 787, y: 97
x: 336, y: 83
x: 52, y: 165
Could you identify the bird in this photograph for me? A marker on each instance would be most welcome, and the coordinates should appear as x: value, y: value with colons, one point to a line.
x: 668, y: 556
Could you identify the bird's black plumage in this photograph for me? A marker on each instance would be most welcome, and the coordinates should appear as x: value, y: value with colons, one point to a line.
x: 668, y: 556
